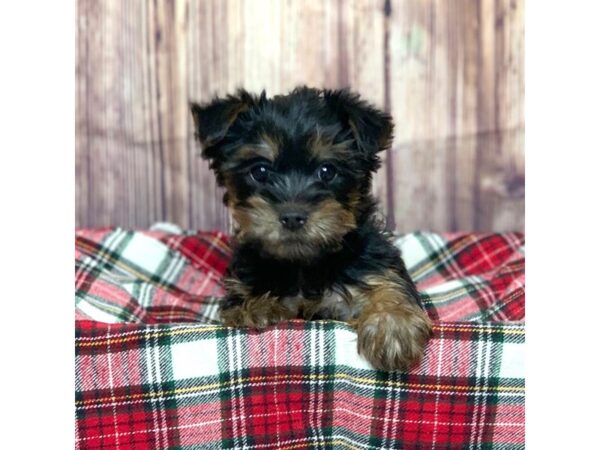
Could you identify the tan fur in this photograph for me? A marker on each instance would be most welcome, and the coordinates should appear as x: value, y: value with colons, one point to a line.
x: 257, y: 220
x: 326, y: 226
x: 392, y: 330
x: 338, y: 304
x: 268, y: 149
x: 301, y: 306
x: 230, y: 189
x: 355, y: 199
x: 323, y: 149
x: 253, y: 151
x: 330, y: 221
x: 255, y: 311
x: 272, y: 144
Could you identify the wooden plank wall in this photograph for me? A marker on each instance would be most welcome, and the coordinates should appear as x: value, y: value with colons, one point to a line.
x: 451, y: 73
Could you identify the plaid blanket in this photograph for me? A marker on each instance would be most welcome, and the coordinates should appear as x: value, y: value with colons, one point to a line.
x: 154, y: 369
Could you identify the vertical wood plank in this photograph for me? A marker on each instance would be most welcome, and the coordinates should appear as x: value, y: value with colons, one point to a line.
x: 487, y: 138
x: 139, y: 133
x: 510, y: 86
x: 172, y: 111
x: 82, y: 209
x: 464, y: 58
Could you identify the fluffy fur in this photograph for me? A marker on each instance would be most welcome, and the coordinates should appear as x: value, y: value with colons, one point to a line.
x: 297, y: 170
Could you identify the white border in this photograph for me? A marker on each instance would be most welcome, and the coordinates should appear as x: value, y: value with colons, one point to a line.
x: 562, y: 172
x: 37, y: 100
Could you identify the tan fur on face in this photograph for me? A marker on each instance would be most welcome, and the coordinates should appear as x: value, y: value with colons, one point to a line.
x: 354, y: 200
x: 325, y: 227
x: 323, y: 149
x: 271, y: 144
x: 251, y: 152
x: 329, y: 222
x: 257, y: 220
x: 230, y: 191
x: 267, y: 148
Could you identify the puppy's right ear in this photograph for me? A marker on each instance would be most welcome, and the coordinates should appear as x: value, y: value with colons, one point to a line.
x: 213, y: 119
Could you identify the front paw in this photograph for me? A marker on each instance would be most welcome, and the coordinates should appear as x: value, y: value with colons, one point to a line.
x: 258, y: 312
x: 393, y: 338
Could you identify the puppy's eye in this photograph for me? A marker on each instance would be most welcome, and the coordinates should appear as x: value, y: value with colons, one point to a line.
x: 327, y: 172
x: 260, y: 173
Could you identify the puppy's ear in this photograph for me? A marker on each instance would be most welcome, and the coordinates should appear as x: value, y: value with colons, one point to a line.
x: 213, y: 119
x: 371, y: 127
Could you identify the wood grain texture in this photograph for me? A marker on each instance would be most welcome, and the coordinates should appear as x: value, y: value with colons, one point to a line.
x: 451, y: 73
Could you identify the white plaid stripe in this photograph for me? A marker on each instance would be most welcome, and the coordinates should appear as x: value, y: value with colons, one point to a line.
x: 314, y: 388
x: 149, y: 369
x: 484, y: 347
x: 437, y: 396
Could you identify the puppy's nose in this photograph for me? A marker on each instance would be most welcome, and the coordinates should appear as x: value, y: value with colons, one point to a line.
x: 293, y: 220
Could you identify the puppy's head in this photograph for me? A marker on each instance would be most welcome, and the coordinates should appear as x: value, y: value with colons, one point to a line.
x: 297, y: 168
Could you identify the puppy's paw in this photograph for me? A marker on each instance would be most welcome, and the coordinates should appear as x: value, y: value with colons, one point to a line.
x: 259, y: 312
x: 393, y: 338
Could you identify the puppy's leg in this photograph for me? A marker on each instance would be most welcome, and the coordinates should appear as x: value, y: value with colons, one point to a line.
x: 392, y: 328
x: 241, y: 309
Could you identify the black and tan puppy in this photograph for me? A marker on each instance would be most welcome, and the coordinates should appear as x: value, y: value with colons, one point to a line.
x: 297, y: 170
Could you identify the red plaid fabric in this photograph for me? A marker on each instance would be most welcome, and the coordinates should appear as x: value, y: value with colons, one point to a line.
x: 149, y: 378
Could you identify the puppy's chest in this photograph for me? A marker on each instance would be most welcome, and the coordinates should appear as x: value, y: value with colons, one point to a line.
x: 287, y: 281
x: 319, y: 293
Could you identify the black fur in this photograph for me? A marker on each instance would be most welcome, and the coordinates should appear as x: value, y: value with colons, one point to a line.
x: 297, y: 170
x: 225, y: 124
x: 366, y: 250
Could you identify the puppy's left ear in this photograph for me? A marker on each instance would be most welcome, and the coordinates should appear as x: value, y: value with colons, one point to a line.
x: 371, y: 127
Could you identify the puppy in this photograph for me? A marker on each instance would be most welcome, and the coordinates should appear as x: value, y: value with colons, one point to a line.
x: 297, y: 170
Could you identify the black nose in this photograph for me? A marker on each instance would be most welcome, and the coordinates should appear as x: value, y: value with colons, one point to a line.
x: 293, y: 220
